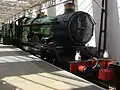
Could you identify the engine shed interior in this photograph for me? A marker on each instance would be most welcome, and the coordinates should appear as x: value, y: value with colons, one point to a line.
x: 75, y: 36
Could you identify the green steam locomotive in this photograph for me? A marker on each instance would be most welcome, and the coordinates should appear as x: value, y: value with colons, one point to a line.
x: 56, y: 38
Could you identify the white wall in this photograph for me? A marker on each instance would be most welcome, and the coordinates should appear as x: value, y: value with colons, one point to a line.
x: 51, y: 11
x: 96, y: 15
x: 59, y: 8
x: 113, y: 38
x: 118, y: 3
x: 86, y: 6
x: 113, y: 27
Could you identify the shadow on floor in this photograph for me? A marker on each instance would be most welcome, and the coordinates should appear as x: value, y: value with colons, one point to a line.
x: 13, y: 53
x: 6, y: 86
x: 25, y: 68
x: 90, y: 87
x: 7, y: 46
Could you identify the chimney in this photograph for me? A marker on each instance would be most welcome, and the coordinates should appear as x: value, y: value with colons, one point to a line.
x: 69, y: 7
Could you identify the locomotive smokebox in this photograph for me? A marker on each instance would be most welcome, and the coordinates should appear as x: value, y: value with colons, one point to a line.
x: 69, y: 7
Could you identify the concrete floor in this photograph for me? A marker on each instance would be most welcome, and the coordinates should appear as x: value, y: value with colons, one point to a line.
x: 22, y: 71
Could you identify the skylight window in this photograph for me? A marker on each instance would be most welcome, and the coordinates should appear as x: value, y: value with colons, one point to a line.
x: 11, y: 0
